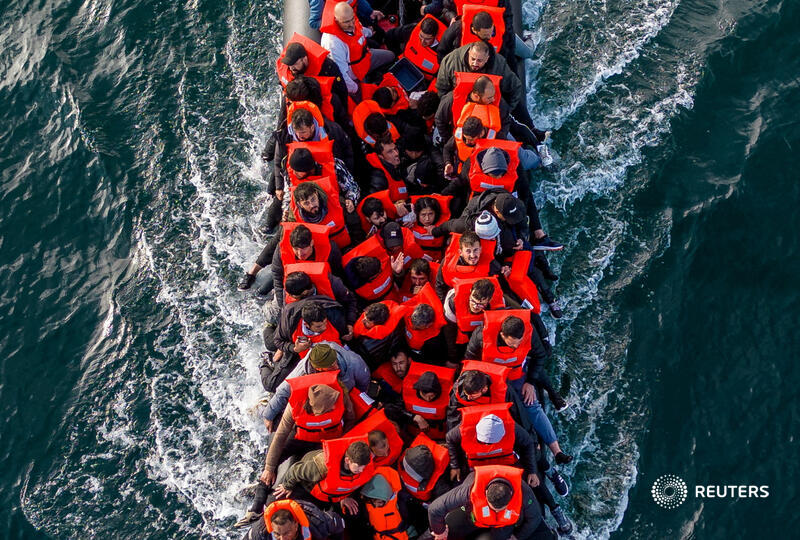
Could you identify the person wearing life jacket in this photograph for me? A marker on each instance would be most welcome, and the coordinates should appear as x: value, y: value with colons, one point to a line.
x: 304, y: 56
x: 455, y: 153
x: 422, y: 469
x: 420, y: 164
x: 330, y: 475
x: 370, y: 272
x: 318, y: 202
x: 420, y: 273
x: 366, y: 14
x: 371, y: 125
x: 383, y: 436
x: 482, y: 90
x: 379, y: 330
x: 463, y: 308
x: 431, y: 211
x: 390, y: 375
x: 380, y: 497
x: 479, y: 383
x: 346, y: 39
x: 400, y: 246
x: 478, y: 22
x: 304, y: 165
x: 315, y: 280
x: 426, y: 394
x: 417, y: 42
x: 493, y: 498
x: 467, y: 256
x: 293, y: 520
x: 424, y: 322
x: 377, y: 209
x: 313, y: 328
x: 385, y: 173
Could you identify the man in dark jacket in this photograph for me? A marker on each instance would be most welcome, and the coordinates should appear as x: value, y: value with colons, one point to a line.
x: 372, y: 349
x: 389, y: 156
x: 483, y: 27
x: 322, y: 525
x: 299, y: 286
x: 483, y: 93
x: 296, y: 58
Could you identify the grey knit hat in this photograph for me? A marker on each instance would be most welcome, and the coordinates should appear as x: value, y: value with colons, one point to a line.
x: 486, y: 226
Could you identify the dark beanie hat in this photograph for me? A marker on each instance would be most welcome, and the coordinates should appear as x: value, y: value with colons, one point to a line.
x: 428, y: 382
x: 301, y: 160
x: 392, y: 234
x: 294, y: 52
x: 418, y: 463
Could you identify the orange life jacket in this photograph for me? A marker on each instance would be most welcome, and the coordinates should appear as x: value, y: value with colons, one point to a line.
x: 467, y: 36
x: 293, y: 106
x: 417, y: 338
x: 334, y: 219
x: 319, y: 272
x: 522, y: 285
x: 387, y: 374
x: 451, y: 270
x: 478, y: 453
x: 381, y: 285
x: 514, y: 359
x: 397, y: 188
x: 381, y: 331
x: 386, y: 520
x: 466, y: 320
x: 314, y: 51
x: 330, y: 334
x: 360, y: 113
x: 429, y: 410
x: 498, y: 375
x: 388, y: 81
x: 418, y: 487
x: 405, y: 294
x: 422, y: 237
x: 410, y: 248
x: 360, y: 55
x: 483, y: 515
x: 386, y: 202
x: 461, y: 3
x: 479, y: 181
x: 311, y: 427
x: 295, y: 509
x: 319, y: 236
x: 425, y: 58
x: 490, y: 118
x: 321, y: 151
x: 336, y: 486
x: 363, y: 405
x: 378, y: 422
x: 465, y: 80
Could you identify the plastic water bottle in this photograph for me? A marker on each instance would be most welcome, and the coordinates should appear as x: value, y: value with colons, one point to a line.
x: 544, y: 154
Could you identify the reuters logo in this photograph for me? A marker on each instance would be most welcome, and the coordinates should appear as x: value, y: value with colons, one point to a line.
x: 669, y: 491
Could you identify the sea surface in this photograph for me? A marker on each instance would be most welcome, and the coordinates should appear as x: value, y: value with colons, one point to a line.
x: 131, y: 188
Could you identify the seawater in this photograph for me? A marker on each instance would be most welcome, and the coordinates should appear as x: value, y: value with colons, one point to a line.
x: 132, y: 185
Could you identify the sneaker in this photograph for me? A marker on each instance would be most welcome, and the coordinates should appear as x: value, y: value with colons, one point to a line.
x: 564, y: 524
x: 555, y: 309
x: 558, y: 402
x: 563, y: 459
x: 247, y: 282
x: 248, y: 518
x: 546, y: 244
x: 559, y: 483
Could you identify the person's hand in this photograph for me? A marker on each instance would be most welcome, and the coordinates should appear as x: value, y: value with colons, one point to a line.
x: 528, y: 394
x: 349, y: 506
x: 397, y: 263
x: 349, y: 206
x: 279, y: 194
x: 349, y: 335
x: 302, y: 344
x: 518, y: 245
x: 442, y: 536
x: 268, y: 424
x: 455, y: 475
x: 533, y: 480
x: 400, y: 206
x: 422, y: 9
x: 506, y: 271
x: 377, y: 15
x: 448, y: 169
x: 422, y: 424
x: 281, y: 492
x: 267, y: 476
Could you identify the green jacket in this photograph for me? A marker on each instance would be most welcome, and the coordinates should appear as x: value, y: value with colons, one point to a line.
x: 510, y: 86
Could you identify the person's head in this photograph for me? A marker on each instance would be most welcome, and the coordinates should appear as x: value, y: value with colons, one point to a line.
x: 418, y: 463
x: 377, y: 492
x: 357, y: 457
x: 422, y: 317
x: 307, y: 197
x: 400, y: 361
x: 303, y: 125
x: 284, y: 525
x: 483, y: 91
x: 427, y: 210
x: 427, y: 105
x: 386, y: 97
x: 428, y: 386
x: 298, y: 90
x: 499, y: 493
x: 477, y: 55
x: 469, y: 248
x: 375, y: 315
x: 509, y: 209
x: 392, y: 236
x: 302, y: 242
x: 345, y: 17
x: 314, y: 316
x: 323, y: 358
x: 482, y: 25
x: 474, y: 384
x: 480, y: 295
x: 298, y: 285
x: 376, y: 126
x: 374, y: 212
x: 367, y: 268
x: 388, y: 151
x: 486, y: 226
x: 490, y: 429
x: 427, y: 32
x: 378, y: 443
x: 472, y: 130
x: 419, y: 273
x: 494, y: 162
x: 512, y: 330
x: 302, y: 163
x: 295, y: 58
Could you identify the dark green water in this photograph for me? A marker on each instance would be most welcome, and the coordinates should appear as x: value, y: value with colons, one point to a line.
x: 130, y: 185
